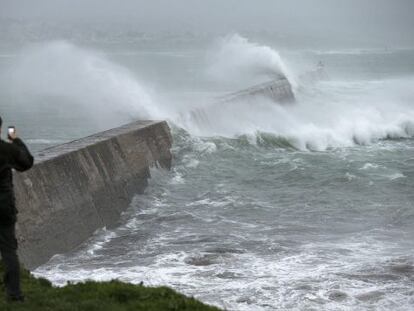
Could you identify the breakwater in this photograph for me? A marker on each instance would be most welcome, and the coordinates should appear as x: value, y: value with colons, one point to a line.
x: 76, y: 188
x: 278, y: 90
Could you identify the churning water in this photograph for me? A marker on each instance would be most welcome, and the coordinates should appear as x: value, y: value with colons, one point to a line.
x: 299, y: 207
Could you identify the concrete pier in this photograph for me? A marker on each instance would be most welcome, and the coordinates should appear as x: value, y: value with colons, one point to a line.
x: 76, y: 188
x: 278, y: 90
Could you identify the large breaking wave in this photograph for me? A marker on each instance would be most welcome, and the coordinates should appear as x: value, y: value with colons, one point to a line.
x: 327, y: 114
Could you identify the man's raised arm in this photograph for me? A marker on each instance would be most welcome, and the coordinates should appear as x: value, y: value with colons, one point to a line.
x: 21, y: 158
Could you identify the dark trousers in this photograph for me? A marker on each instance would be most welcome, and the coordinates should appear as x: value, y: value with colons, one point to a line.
x: 8, y: 250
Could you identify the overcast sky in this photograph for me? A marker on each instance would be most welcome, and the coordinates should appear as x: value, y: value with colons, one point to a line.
x: 387, y: 20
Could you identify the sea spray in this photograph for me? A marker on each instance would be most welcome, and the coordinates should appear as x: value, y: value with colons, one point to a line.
x: 327, y: 114
x: 324, y: 117
x: 234, y: 60
x: 80, y: 80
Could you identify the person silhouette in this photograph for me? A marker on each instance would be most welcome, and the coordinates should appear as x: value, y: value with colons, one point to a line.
x: 13, y: 155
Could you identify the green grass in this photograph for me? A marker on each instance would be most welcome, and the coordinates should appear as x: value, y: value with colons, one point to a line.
x: 100, y: 296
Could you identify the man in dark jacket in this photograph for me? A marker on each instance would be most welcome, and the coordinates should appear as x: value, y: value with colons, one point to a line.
x: 13, y: 155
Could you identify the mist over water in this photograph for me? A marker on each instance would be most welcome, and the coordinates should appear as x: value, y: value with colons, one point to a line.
x: 268, y: 207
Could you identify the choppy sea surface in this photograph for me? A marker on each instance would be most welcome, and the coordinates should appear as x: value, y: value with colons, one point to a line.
x: 306, y: 206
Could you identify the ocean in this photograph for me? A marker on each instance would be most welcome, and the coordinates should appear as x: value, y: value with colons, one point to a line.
x: 303, y: 206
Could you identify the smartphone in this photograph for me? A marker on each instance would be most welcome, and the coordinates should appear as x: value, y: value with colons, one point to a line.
x: 11, y: 130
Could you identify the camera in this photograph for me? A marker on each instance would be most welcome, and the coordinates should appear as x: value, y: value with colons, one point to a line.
x: 11, y: 130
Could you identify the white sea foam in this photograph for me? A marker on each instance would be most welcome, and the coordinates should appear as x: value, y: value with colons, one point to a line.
x: 369, y: 166
x: 346, y: 277
x: 205, y: 147
x: 350, y: 176
x: 326, y: 115
x: 177, y: 179
x: 396, y: 176
x: 334, y: 115
x: 190, y: 162
x: 102, y: 237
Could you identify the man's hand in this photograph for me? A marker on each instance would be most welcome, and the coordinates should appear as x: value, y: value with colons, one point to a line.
x: 12, y: 136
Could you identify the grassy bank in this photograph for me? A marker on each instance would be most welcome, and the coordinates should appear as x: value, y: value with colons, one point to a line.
x: 100, y: 296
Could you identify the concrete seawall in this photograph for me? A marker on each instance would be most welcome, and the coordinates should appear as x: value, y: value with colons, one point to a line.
x: 76, y: 188
x: 278, y: 90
